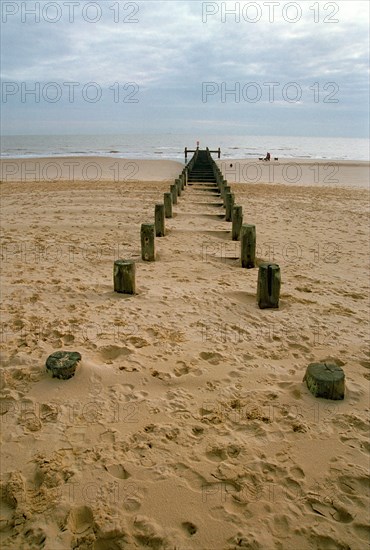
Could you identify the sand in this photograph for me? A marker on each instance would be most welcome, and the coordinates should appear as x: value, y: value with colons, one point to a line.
x: 187, y: 424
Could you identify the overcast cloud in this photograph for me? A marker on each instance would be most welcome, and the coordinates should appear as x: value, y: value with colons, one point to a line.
x: 301, y: 68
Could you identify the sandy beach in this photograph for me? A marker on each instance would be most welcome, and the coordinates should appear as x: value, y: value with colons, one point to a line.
x: 289, y: 171
x: 187, y: 425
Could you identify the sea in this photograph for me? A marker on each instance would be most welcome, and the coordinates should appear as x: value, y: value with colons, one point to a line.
x: 171, y: 146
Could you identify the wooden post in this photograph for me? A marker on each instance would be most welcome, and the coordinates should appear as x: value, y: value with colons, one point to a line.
x: 248, y: 245
x: 268, y: 286
x: 174, y: 193
x: 147, y: 242
x: 159, y: 220
x: 230, y: 199
x: 124, y: 276
x: 237, y: 219
x: 221, y: 187
x: 227, y: 189
x: 186, y: 176
x: 178, y: 187
x: 167, y: 198
x: 325, y: 380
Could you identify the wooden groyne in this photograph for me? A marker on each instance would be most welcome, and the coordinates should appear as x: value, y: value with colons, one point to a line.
x: 204, y: 173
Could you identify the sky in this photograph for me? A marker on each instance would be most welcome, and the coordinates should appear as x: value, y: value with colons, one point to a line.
x: 256, y: 68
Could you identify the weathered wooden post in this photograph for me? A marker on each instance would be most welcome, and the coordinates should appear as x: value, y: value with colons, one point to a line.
x: 182, y: 180
x: 227, y: 189
x: 186, y: 174
x: 230, y: 199
x: 248, y: 245
x: 147, y: 242
x: 159, y: 220
x: 178, y: 187
x: 221, y: 187
x: 268, y: 286
x: 237, y: 219
x: 325, y: 380
x: 124, y: 276
x: 174, y: 193
x: 167, y: 198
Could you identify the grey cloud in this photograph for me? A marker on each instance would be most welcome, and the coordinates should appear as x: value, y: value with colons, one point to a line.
x: 170, y: 52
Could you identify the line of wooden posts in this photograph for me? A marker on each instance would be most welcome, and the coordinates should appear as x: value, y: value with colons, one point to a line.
x: 124, y: 271
x: 269, y: 280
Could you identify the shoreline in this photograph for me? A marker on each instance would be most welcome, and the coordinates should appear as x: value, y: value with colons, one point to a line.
x: 289, y: 171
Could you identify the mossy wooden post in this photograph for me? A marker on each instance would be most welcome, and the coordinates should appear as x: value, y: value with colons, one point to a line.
x: 178, y: 187
x: 182, y: 180
x: 268, y: 286
x: 227, y: 189
x: 167, y: 198
x: 248, y: 245
x: 124, y: 276
x: 221, y: 187
x: 230, y: 199
x: 325, y: 380
x: 159, y: 220
x: 174, y: 193
x: 237, y: 219
x: 148, y: 242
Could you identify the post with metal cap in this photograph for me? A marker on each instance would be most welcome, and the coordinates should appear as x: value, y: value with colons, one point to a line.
x: 237, y: 219
x: 124, y: 276
x: 268, y: 286
x: 159, y: 220
x: 248, y: 245
x: 167, y: 199
x: 147, y: 242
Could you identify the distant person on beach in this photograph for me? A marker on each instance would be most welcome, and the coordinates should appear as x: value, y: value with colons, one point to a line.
x: 267, y: 157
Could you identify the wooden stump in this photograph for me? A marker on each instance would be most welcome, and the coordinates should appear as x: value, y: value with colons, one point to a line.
x: 167, y: 198
x: 62, y: 364
x: 230, y: 199
x: 147, y: 242
x: 325, y: 380
x: 159, y: 220
x: 248, y: 245
x: 174, y: 193
x: 237, y: 219
x: 124, y: 276
x: 268, y: 286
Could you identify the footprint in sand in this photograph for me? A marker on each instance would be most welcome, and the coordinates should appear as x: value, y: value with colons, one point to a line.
x: 118, y: 471
x: 329, y: 510
x: 80, y: 519
x: 148, y: 533
x: 213, y: 358
x: 189, y: 527
x: 181, y: 369
x: 111, y: 353
x: 35, y: 538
